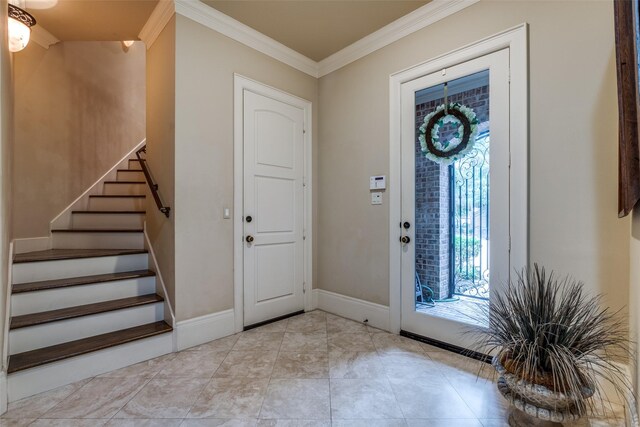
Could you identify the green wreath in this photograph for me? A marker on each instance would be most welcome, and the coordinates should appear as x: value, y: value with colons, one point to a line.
x: 462, y: 141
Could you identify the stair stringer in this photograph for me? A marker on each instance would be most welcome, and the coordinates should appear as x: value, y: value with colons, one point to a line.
x: 63, y: 219
x: 153, y: 266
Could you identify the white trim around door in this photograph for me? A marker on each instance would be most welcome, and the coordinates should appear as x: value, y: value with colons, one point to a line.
x: 515, y: 40
x: 242, y: 84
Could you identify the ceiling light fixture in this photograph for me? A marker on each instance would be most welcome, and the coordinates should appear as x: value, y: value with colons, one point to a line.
x: 20, y: 23
x: 128, y: 43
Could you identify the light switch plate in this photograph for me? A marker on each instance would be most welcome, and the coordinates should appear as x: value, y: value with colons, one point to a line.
x: 376, y: 198
x: 226, y: 213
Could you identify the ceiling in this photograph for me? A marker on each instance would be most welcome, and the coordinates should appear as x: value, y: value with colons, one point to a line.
x: 93, y: 20
x: 314, y: 28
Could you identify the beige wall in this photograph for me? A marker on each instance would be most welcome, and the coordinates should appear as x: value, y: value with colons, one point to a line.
x: 79, y: 108
x: 205, y: 64
x: 161, y: 94
x: 6, y: 126
x: 634, y: 293
x: 573, y: 157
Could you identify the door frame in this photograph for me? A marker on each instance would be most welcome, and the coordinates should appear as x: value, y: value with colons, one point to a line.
x: 516, y: 39
x: 240, y: 84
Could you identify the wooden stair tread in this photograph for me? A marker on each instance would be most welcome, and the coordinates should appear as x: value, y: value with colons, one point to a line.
x: 41, y: 356
x: 125, y: 182
x: 60, y: 254
x: 76, y: 281
x: 98, y: 230
x: 109, y: 212
x: 118, y: 195
x: 81, y: 310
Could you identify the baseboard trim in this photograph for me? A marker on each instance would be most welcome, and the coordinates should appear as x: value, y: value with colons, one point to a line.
x: 275, y: 319
x: 31, y: 244
x: 4, y: 395
x: 200, y: 330
x: 375, y: 315
x: 628, y: 400
x: 631, y: 404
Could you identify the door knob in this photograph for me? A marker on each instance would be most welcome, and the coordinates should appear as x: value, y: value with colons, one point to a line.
x: 249, y: 239
x: 405, y: 239
x: 406, y: 225
x: 248, y: 218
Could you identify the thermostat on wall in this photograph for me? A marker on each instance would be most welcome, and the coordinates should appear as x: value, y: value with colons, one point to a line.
x: 378, y: 182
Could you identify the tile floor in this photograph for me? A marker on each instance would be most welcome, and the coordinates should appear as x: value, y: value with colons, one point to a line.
x: 314, y: 369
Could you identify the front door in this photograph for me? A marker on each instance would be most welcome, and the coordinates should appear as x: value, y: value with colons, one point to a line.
x: 455, y: 209
x: 273, y: 208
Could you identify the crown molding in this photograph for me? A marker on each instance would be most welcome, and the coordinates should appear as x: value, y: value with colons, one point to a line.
x: 205, y: 15
x: 43, y: 37
x: 224, y: 24
x: 420, y: 18
x: 158, y: 19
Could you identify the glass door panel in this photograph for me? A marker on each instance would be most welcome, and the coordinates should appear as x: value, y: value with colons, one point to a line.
x: 458, y: 244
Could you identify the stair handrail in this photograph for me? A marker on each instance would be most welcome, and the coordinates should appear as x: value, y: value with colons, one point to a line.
x: 152, y: 185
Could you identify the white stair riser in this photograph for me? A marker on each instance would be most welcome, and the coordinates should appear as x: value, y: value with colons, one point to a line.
x: 65, y: 268
x: 33, y: 337
x: 54, y: 299
x: 124, y: 189
x: 130, y: 175
x: 106, y: 221
x: 117, y: 203
x: 47, y: 377
x: 93, y: 240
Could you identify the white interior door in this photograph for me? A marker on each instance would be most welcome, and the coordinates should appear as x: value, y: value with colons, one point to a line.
x: 439, y: 234
x: 273, y: 208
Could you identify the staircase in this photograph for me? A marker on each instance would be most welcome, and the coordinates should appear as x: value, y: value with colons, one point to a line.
x: 89, y: 305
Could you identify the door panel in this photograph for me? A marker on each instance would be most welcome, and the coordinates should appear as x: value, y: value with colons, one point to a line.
x: 280, y: 131
x: 449, y: 251
x: 275, y: 271
x: 273, y: 198
x: 275, y: 205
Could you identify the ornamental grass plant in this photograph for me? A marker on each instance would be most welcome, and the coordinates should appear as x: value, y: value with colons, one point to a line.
x: 547, y: 331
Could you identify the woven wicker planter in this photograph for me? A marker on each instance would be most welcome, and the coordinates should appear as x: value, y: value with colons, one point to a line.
x: 537, y: 400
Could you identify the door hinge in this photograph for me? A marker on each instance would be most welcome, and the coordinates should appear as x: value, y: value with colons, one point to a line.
x: 304, y: 287
x: 509, y: 243
x: 304, y: 131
